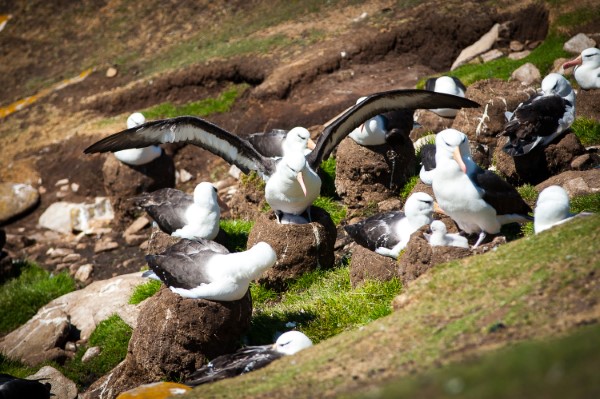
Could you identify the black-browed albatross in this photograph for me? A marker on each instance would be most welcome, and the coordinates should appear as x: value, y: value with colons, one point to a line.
x: 478, y: 200
x: 241, y: 153
x: 183, y: 215
x: 277, y: 142
x: 587, y: 68
x: 249, y: 358
x: 204, y: 269
x: 449, y: 85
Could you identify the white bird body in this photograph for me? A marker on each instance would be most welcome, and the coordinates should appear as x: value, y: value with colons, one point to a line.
x: 372, y: 132
x: 440, y: 237
x: 552, y: 208
x: 203, y: 215
x: 447, y: 85
x: 587, y: 68
x: 138, y: 156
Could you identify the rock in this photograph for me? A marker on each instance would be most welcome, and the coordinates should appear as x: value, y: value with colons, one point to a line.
x: 84, y: 272
x: 299, y: 248
x: 576, y: 183
x: 419, y: 256
x: 40, y: 339
x: 516, y: 46
x: 111, y: 72
x: 47, y: 331
x: 156, y: 390
x: 365, y: 175
x: 183, y: 176
x: 491, y: 55
x: 15, y: 200
x: 527, y: 74
x: 249, y: 199
x: 585, y: 161
x: 578, y: 43
x: 430, y: 122
x: 539, y: 164
x: 174, y: 337
x: 368, y: 265
x: 483, y: 125
x: 135, y: 227
x: 123, y: 182
x: 519, y: 55
x: 588, y: 104
x: 105, y: 245
x: 68, y: 217
x: 479, y: 47
x: 62, y: 387
x: 91, y: 353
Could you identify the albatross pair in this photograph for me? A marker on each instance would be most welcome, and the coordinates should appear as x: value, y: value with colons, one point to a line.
x: 284, y: 191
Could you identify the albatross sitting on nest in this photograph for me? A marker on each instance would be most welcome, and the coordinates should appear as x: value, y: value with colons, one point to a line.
x: 242, y: 153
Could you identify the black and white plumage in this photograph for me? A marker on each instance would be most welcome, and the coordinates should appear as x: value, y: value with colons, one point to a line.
x: 552, y: 208
x: 542, y: 118
x: 183, y: 215
x: 427, y: 163
x: 587, y: 68
x: 20, y: 388
x: 440, y: 237
x: 204, y: 269
x: 138, y: 156
x: 478, y: 200
x: 241, y: 153
x: 448, y: 85
x: 249, y: 358
x: 278, y: 142
x: 388, y: 233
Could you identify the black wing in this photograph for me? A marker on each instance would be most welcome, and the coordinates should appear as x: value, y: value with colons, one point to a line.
x: 534, y: 122
x: 243, y: 361
x: 376, y: 104
x: 13, y: 387
x: 167, y: 207
x: 193, y: 130
x: 182, y: 264
x: 499, y: 194
x: 269, y: 144
x: 428, y: 156
x: 376, y: 231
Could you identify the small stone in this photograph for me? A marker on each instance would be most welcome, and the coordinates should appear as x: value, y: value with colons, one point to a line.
x: 71, y: 346
x: 84, y: 272
x: 61, y: 182
x: 519, y: 55
x: 111, y: 72
x: 137, y: 225
x: 533, y: 44
x: 235, y: 172
x: 183, y: 176
x: 527, y: 74
x: 70, y: 258
x: 105, y: 245
x: 58, y: 252
x: 491, y: 55
x: 90, y: 353
x: 516, y: 46
x: 74, y: 187
x: 578, y: 43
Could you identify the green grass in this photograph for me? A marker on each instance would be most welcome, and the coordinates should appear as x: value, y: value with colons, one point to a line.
x: 14, y: 367
x: 587, y: 130
x: 112, y: 336
x: 528, y: 193
x: 336, y: 210
x: 327, y: 174
x: 558, y: 368
x: 144, y: 291
x: 408, y: 187
x: 237, y: 232
x: 321, y: 304
x: 202, y: 108
x: 22, y: 297
x: 586, y: 203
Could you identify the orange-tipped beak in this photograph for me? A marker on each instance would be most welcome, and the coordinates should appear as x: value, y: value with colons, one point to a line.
x: 576, y: 61
x: 301, y: 181
x: 437, y: 209
x: 458, y: 158
x: 311, y: 144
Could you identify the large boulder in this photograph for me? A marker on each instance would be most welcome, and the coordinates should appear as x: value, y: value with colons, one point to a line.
x: 173, y: 338
x: 16, y: 199
x: 576, y: 183
x: 61, y: 386
x: 299, y: 247
x: 372, y: 174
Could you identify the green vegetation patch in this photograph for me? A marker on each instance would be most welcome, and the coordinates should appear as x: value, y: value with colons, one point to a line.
x: 144, y: 291
x: 203, y: 108
x: 327, y: 175
x: 408, y: 187
x: 22, y: 297
x: 321, y: 304
x: 14, y: 367
x: 586, y: 203
x: 587, y: 131
x: 237, y: 232
x: 336, y: 210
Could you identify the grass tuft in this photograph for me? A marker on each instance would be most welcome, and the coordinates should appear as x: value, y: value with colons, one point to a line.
x: 336, y: 210
x: 237, y: 232
x: 408, y: 187
x: 14, y: 367
x: 586, y: 203
x: 23, y: 296
x: 528, y: 193
x: 327, y: 174
x: 587, y: 131
x: 144, y: 291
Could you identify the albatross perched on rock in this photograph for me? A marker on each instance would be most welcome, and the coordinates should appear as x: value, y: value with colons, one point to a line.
x: 388, y: 233
x: 478, y: 200
x: 539, y: 120
x: 183, y: 215
x: 587, y: 68
x: 241, y: 153
x: 204, y: 269
x: 249, y: 358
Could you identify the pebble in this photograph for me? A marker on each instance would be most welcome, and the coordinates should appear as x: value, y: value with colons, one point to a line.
x: 84, y: 272
x: 90, y: 353
x: 104, y: 245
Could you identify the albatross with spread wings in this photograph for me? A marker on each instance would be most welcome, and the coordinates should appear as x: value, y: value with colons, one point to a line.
x: 242, y: 153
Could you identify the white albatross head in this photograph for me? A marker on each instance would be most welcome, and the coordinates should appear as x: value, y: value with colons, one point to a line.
x: 419, y: 209
x: 438, y: 228
x: 298, y: 140
x: 292, y: 342
x: 552, y: 207
x: 135, y: 119
x: 205, y: 194
x: 138, y: 156
x: 450, y: 144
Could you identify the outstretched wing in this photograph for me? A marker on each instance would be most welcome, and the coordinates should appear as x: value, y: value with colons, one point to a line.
x: 193, y: 130
x: 376, y: 104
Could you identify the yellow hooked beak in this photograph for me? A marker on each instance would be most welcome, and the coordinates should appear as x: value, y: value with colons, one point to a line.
x: 311, y: 144
x: 301, y: 181
x: 576, y: 61
x: 458, y: 158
